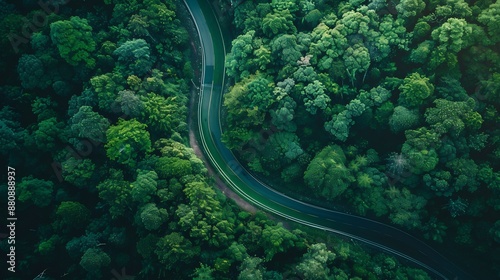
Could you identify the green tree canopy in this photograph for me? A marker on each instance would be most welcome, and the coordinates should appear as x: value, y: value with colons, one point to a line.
x: 74, y: 40
x: 37, y: 191
x: 415, y: 90
x: 88, y: 124
x: 134, y: 57
x: 327, y: 173
x: 127, y: 140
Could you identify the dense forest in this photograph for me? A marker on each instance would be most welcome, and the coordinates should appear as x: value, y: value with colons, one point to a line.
x: 94, y: 123
x: 387, y: 109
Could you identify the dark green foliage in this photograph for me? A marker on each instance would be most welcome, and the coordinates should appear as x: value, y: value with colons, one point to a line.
x: 11, y: 133
x: 135, y: 57
x: 72, y: 215
x: 89, y: 124
x: 32, y: 73
x: 94, y: 260
x: 315, y: 262
x: 415, y: 80
x: 402, y: 119
x: 126, y: 141
x: 36, y: 191
x: 407, y: 93
x: 327, y: 174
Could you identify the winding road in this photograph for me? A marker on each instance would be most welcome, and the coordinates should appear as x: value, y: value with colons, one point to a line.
x: 373, y: 233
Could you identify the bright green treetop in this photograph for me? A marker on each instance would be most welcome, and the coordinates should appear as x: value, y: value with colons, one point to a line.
x: 74, y: 40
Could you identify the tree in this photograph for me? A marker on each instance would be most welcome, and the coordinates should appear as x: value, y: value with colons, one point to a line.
x: 146, y: 245
x: 465, y: 172
x: 32, y: 72
x: 339, y: 125
x: 72, y: 214
x: 314, y: 263
x: 285, y: 49
x: 248, y: 100
x: 495, y: 231
x: 409, y: 9
x: 356, y: 60
x: 94, y: 260
x: 281, y: 148
x: 168, y: 167
x: 107, y: 87
x: 163, y: 114
x: 134, y: 57
x: 453, y: 34
x: 74, y: 40
x: 262, y: 57
x: 251, y: 269
x: 453, y: 117
x: 415, y: 90
x: 204, y: 272
x: 435, y: 230
x: 173, y: 249
x: 152, y: 217
x: 46, y: 134
x: 278, y: 23
x: 47, y: 247
x: 145, y: 186
x: 202, y: 197
x: 315, y: 97
x: 402, y: 119
x: 405, y: 208
x: 237, y: 60
x: 43, y: 108
x: 438, y: 182
x: 422, y: 53
x: 127, y: 140
x: 283, y: 116
x: 305, y: 74
x: 11, y: 132
x: 420, y: 150
x: 237, y: 252
x: 37, y: 191
x: 116, y: 193
x: 78, y: 172
x: 77, y: 246
x: 456, y: 207
x: 277, y: 239
x: 491, y: 19
x: 89, y: 124
x: 130, y: 103
x: 327, y: 47
x: 86, y: 98
x: 156, y: 83
x: 327, y: 173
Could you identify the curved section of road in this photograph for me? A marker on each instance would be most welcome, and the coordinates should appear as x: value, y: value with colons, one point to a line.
x: 248, y: 187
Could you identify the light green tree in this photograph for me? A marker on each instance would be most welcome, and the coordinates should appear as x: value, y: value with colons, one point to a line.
x: 37, y: 191
x: 145, y: 186
x: 402, y: 119
x: 127, y: 140
x: 74, y: 40
x: 327, y: 174
x: 491, y: 19
x: 152, y: 217
x: 415, y: 90
x: 314, y: 263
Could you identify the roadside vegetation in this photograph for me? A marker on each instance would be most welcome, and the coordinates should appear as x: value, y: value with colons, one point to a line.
x: 386, y: 109
x: 94, y: 120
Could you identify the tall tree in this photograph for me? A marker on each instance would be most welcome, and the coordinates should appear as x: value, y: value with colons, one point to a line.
x: 74, y: 40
